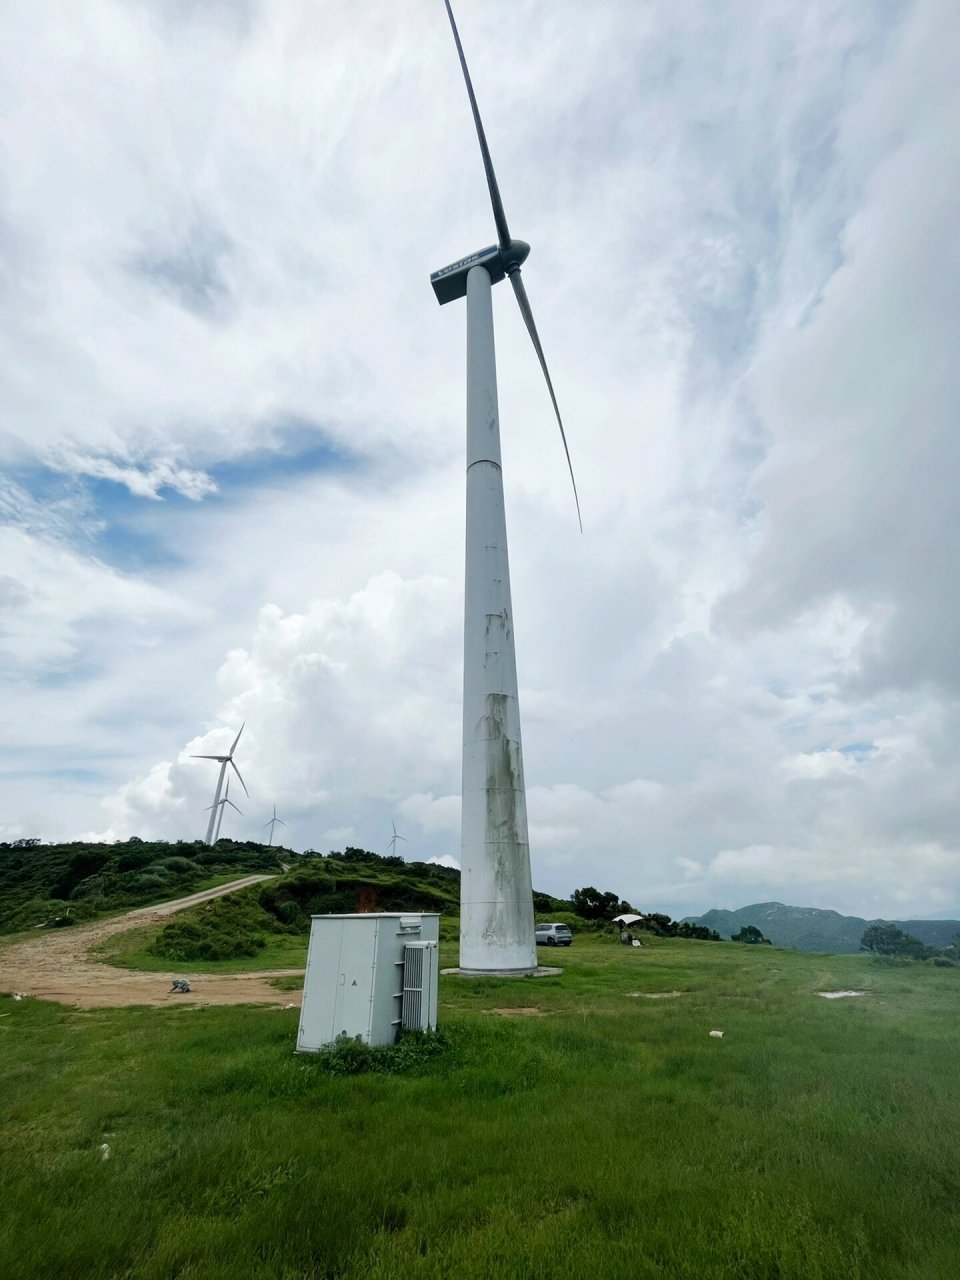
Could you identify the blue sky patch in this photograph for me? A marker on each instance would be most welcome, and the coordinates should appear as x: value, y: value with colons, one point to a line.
x: 859, y: 750
x: 130, y: 532
x: 300, y: 455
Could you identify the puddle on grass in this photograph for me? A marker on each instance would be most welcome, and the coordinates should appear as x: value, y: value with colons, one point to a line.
x: 655, y: 995
x: 532, y: 1012
x: 839, y: 995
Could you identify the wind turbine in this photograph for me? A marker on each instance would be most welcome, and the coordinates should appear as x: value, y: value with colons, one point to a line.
x: 393, y: 842
x: 224, y: 761
x: 274, y: 822
x: 220, y: 805
x: 496, y: 891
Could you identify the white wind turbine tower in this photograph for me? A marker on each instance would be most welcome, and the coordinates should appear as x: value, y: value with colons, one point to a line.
x: 274, y: 822
x: 221, y: 805
x: 496, y: 892
x: 395, y: 838
x: 224, y: 761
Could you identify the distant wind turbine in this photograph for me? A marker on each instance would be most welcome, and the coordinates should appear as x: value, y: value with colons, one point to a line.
x: 221, y: 805
x: 496, y: 893
x: 274, y: 822
x: 393, y: 842
x: 224, y: 761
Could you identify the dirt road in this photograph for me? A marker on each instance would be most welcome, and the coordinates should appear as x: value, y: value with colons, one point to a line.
x: 56, y: 965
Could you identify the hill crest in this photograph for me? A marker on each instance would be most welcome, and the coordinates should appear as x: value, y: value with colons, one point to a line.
x: 818, y: 928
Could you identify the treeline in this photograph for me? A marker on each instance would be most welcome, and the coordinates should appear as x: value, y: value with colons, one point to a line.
x: 67, y: 883
x: 363, y: 857
x: 601, y: 907
x: 63, y: 884
x: 358, y: 880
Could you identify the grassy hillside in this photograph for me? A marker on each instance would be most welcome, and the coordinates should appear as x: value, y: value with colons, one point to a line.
x: 69, y: 883
x: 814, y: 929
x: 267, y: 925
x: 604, y: 1134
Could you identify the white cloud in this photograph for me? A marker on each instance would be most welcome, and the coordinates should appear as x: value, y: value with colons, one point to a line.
x: 434, y: 814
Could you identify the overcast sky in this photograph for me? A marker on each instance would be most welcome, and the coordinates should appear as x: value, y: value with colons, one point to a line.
x: 232, y: 430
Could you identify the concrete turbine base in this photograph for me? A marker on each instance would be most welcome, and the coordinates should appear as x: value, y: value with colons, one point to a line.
x: 541, y: 971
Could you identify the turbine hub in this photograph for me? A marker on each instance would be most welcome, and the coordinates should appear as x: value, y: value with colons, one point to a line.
x: 515, y: 256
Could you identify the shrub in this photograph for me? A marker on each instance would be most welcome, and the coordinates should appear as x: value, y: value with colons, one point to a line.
x: 414, y: 1051
x: 94, y: 886
x: 185, y: 940
x: 179, y: 866
x: 224, y: 929
x: 289, y: 912
x: 146, y: 882
x: 135, y: 858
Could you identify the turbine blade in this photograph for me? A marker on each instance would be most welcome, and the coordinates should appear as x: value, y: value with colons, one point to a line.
x: 403, y: 838
x: 220, y: 758
x: 280, y: 822
x: 239, y: 775
x: 233, y: 806
x: 237, y: 739
x: 499, y: 217
x: 524, y: 304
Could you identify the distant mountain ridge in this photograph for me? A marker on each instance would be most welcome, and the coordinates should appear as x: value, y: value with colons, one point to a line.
x: 816, y: 929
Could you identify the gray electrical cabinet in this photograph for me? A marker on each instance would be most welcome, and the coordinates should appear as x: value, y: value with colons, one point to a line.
x: 358, y: 970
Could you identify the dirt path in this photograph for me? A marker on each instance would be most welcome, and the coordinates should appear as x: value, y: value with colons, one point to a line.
x: 56, y: 965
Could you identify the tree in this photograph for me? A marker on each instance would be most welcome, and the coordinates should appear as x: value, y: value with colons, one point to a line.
x: 657, y: 922
x: 890, y: 940
x: 591, y: 904
x: 687, y: 930
x: 750, y: 933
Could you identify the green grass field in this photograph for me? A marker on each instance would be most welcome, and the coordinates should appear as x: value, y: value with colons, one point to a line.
x: 612, y: 1135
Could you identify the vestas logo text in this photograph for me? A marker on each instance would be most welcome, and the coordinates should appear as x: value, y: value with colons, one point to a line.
x: 464, y: 262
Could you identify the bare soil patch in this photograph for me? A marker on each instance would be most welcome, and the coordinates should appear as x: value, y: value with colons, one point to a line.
x: 532, y: 1012
x: 655, y: 995
x: 56, y: 965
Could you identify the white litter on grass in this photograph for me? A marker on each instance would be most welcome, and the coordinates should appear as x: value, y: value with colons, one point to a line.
x: 18, y: 996
x: 654, y: 995
x: 717, y: 1035
x: 104, y: 1150
x: 839, y: 995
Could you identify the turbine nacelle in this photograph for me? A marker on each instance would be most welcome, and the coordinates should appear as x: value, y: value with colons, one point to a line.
x: 450, y: 283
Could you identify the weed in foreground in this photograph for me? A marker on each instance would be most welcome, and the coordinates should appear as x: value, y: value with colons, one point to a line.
x: 412, y: 1052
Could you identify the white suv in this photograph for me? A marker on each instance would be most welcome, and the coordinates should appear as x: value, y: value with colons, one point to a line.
x: 554, y: 935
